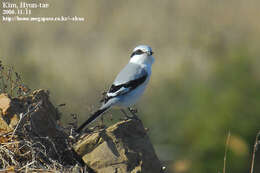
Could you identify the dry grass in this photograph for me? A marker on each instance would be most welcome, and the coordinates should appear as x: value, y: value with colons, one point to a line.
x: 226, y: 149
x: 257, y: 142
x: 12, y: 82
x: 22, y: 149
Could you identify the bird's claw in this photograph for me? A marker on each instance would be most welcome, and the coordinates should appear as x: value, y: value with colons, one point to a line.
x: 133, y: 111
x: 127, y: 117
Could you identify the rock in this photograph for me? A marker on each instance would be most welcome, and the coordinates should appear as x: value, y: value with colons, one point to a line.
x: 8, y: 117
x: 40, y: 125
x: 123, y: 147
x: 5, y: 103
x: 4, y: 128
x: 44, y: 119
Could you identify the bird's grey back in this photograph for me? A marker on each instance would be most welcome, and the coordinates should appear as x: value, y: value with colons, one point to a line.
x: 131, y: 71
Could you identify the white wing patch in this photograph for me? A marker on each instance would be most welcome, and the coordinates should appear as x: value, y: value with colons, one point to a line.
x: 122, y: 90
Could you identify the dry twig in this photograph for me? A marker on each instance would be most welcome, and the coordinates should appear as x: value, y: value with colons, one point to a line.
x: 254, y: 151
x: 226, y: 149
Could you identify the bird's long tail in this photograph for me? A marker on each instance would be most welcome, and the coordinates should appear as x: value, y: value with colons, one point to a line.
x: 92, y: 118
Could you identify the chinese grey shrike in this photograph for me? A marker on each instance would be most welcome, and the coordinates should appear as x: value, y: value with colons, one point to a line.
x: 129, y: 84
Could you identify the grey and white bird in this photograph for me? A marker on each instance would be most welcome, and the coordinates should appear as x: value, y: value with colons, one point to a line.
x: 129, y: 84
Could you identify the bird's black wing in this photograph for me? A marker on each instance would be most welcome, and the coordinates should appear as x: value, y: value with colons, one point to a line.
x: 121, y: 89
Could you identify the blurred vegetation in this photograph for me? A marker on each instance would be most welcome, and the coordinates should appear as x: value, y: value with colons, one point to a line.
x: 205, y: 81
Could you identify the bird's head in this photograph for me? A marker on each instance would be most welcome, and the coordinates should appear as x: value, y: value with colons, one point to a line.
x: 142, y: 54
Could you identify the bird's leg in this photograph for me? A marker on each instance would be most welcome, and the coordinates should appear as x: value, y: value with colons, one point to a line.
x: 102, y: 120
x: 101, y: 124
x: 125, y: 114
x: 133, y: 111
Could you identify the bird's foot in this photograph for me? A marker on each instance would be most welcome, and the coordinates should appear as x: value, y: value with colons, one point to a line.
x: 101, y: 124
x: 133, y: 111
x: 125, y: 114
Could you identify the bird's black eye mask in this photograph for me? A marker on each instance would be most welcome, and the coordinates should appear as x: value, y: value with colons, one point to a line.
x: 137, y: 52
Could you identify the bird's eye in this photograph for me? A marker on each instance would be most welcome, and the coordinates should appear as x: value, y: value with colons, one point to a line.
x: 139, y: 52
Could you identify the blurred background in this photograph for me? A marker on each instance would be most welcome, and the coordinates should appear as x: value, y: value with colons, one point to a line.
x: 205, y: 81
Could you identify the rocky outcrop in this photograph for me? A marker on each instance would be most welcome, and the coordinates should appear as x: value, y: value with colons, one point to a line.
x: 38, y: 127
x: 121, y: 148
x: 30, y: 135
